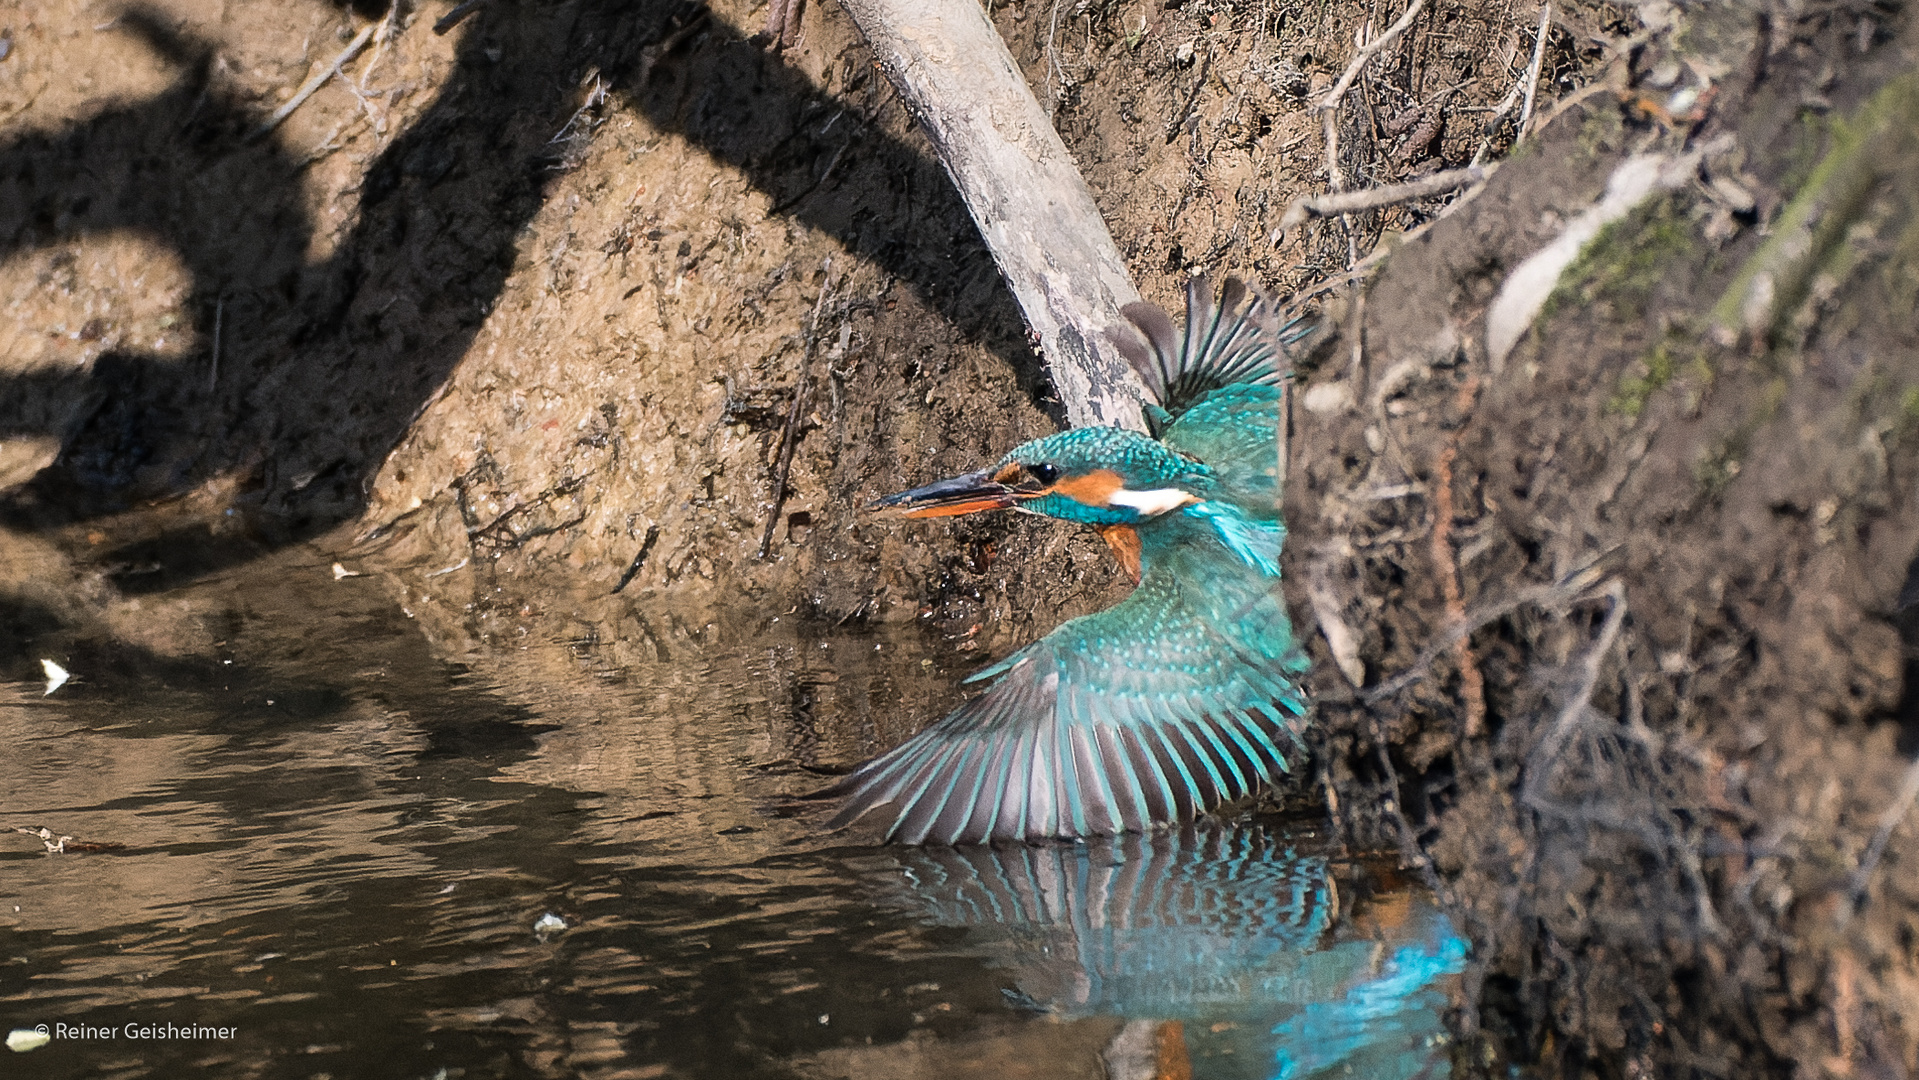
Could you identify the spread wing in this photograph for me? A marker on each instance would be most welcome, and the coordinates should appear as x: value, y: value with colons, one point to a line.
x: 1237, y: 341
x: 1164, y: 706
x: 1217, y: 386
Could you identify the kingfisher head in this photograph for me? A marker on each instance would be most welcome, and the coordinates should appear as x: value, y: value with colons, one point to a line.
x: 1101, y: 476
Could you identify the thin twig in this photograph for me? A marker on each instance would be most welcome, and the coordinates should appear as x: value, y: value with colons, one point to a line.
x: 1186, y: 111
x: 1379, y: 254
x: 1553, y: 595
x: 1580, y: 699
x: 1888, y: 821
x: 1356, y: 366
x: 639, y: 560
x: 1577, y: 711
x: 1365, y: 53
x: 1328, y: 109
x: 219, y: 317
x: 329, y: 144
x: 317, y: 80
x: 1522, y: 90
x: 499, y: 532
x: 1058, y: 82
x: 1346, y: 202
x: 1410, y: 848
x: 1659, y: 841
x: 791, y: 436
x: 793, y: 200
x: 453, y: 18
x: 1532, y: 72
x: 1335, y: 179
x: 383, y: 35
x: 567, y: 137
x: 1491, y: 123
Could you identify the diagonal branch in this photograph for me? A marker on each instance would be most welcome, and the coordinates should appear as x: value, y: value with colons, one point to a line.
x: 1025, y: 193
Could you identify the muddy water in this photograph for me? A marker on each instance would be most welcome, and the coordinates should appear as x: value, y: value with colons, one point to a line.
x: 321, y: 846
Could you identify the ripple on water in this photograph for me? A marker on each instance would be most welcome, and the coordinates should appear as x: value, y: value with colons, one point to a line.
x: 337, y: 843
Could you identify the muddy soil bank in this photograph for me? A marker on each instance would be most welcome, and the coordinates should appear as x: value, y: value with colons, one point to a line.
x: 1661, y: 779
x: 538, y: 293
x: 519, y: 314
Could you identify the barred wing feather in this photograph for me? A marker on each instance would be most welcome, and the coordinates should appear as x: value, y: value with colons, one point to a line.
x: 1238, y: 340
x: 1147, y: 713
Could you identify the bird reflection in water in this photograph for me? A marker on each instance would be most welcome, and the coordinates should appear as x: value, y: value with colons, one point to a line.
x: 1223, y: 927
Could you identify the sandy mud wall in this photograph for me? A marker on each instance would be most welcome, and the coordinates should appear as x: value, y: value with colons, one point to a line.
x: 536, y: 294
x: 735, y: 224
x: 622, y: 414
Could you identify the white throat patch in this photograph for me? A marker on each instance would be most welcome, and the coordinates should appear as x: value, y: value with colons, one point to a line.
x: 1151, y: 503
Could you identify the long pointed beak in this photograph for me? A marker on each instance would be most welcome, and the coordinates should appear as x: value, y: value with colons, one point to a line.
x: 967, y: 494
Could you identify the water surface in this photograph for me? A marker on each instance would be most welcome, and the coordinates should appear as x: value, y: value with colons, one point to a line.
x: 352, y: 847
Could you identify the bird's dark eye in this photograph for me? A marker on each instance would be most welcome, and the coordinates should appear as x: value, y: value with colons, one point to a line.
x: 1045, y: 474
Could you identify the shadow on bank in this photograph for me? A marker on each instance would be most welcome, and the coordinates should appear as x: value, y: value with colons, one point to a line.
x: 325, y: 364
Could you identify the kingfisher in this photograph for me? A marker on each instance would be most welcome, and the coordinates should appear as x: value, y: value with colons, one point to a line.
x: 1178, y: 699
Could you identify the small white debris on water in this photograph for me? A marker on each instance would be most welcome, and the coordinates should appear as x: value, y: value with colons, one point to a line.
x: 549, y: 923
x: 56, y: 845
x: 342, y: 572
x: 21, y: 1040
x: 56, y: 675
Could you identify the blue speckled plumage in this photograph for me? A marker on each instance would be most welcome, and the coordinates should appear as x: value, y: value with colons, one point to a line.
x: 1179, y: 698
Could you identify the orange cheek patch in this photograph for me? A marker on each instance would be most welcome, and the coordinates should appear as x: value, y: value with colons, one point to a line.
x: 1125, y: 544
x: 1009, y: 474
x: 1094, y: 489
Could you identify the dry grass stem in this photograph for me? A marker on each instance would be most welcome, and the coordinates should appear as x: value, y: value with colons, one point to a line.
x: 1532, y: 72
x: 1346, y: 202
x: 790, y: 437
x: 318, y: 79
x: 1367, y: 49
x: 1557, y: 594
x: 219, y: 319
x: 1895, y: 812
x: 453, y: 18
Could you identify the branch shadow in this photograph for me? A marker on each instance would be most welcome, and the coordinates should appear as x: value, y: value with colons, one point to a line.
x: 326, y: 363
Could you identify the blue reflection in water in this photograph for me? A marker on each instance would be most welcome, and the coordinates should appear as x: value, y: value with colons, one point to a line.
x: 1224, y: 927
x: 1380, y: 1026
